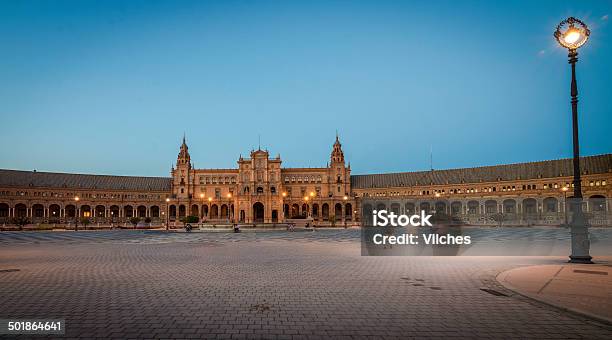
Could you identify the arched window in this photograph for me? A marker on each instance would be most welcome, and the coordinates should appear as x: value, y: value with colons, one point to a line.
x: 510, y: 206
x: 473, y: 207
x: 410, y: 208
x: 597, y: 203
x: 325, y: 211
x: 260, y: 190
x: 456, y: 208
x: 530, y: 206
x: 315, y: 210
x: 395, y: 208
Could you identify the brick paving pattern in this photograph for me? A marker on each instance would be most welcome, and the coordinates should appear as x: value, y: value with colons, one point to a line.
x: 133, y: 284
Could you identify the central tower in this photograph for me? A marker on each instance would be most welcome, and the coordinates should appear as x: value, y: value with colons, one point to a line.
x: 259, y: 179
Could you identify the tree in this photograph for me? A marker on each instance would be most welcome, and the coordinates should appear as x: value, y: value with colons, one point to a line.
x: 134, y: 220
x: 85, y: 221
x: 21, y: 221
x: 147, y: 221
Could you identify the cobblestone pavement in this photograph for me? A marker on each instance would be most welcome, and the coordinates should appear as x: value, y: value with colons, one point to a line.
x: 130, y: 284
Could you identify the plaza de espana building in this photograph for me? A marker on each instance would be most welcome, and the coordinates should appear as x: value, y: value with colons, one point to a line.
x: 260, y: 191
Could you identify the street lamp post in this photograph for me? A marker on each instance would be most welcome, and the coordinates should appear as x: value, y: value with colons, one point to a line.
x: 202, y: 210
x: 284, y: 195
x: 572, y: 33
x: 167, y: 214
x: 345, y: 198
x: 314, y: 196
x: 230, y: 214
x: 76, y: 213
x: 565, y: 189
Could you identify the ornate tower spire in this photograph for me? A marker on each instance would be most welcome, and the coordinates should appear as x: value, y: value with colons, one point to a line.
x: 337, y: 156
x: 183, y: 156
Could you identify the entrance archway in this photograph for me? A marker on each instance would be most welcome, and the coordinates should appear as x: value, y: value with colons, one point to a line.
x: 154, y: 211
x: 38, y: 211
x: 258, y: 212
x: 54, y: 211
x: 4, y: 212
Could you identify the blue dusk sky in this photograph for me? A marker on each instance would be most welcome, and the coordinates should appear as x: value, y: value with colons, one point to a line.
x: 110, y: 87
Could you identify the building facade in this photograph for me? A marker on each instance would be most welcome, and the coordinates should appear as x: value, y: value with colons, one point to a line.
x: 260, y: 190
x: 517, y: 194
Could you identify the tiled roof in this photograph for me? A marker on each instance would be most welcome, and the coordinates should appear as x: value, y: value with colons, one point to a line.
x: 16, y: 178
x: 508, y: 172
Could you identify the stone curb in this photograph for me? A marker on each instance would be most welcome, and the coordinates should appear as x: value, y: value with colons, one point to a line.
x: 550, y: 303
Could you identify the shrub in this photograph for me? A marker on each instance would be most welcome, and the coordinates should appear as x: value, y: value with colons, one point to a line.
x: 85, y: 221
x: 147, y: 220
x: 190, y: 219
x: 21, y: 221
x: 134, y: 220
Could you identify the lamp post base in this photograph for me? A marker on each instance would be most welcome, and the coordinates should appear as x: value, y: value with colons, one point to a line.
x: 580, y: 243
x: 580, y: 259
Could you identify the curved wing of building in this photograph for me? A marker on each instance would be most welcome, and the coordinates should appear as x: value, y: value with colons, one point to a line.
x: 260, y: 190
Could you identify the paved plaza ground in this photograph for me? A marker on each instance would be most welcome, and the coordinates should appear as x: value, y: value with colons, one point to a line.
x: 152, y: 284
